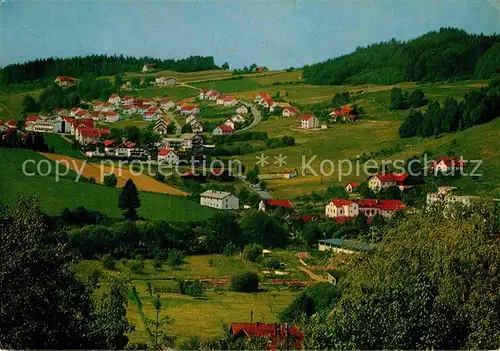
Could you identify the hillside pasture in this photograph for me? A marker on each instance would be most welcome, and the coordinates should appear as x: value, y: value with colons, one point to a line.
x: 56, y: 195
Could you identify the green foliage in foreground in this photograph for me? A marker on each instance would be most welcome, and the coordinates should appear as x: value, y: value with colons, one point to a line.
x: 432, y: 283
x: 43, y: 304
x: 245, y: 282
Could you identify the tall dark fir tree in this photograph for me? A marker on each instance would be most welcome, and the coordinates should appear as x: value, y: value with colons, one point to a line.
x: 129, y: 200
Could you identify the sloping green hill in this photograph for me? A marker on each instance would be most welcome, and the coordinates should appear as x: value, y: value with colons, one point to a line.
x: 434, y: 56
x: 54, y: 196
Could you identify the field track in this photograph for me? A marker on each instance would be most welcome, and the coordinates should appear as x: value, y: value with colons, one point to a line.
x: 142, y: 181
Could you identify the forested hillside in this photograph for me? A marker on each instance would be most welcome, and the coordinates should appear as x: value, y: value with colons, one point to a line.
x: 98, y: 65
x: 438, y: 55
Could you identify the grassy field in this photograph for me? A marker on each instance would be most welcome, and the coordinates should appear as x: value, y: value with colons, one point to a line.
x: 11, y: 104
x: 197, y: 317
x: 61, y: 145
x: 54, y: 196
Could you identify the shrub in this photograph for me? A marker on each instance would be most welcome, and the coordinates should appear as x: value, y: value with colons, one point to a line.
x: 272, y: 262
x: 136, y: 266
x: 191, y: 287
x: 245, y: 282
x: 252, y: 252
x: 107, y: 262
x: 110, y: 180
x: 175, y: 258
x: 229, y: 250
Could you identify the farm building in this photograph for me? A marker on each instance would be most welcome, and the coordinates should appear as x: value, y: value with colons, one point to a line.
x: 308, y: 122
x: 272, y: 204
x: 166, y: 81
x: 219, y: 199
x: 168, y: 156
x: 381, y: 181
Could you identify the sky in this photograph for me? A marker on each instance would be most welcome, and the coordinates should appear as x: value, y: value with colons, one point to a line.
x: 276, y: 34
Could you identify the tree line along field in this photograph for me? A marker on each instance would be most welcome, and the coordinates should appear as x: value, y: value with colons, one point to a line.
x: 55, y: 196
x: 200, y: 317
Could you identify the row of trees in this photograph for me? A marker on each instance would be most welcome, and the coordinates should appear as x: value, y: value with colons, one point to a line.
x: 477, y: 107
x: 98, y: 65
x: 403, y: 100
x: 438, y: 55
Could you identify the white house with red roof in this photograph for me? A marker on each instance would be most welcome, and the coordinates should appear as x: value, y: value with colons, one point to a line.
x: 127, y: 100
x: 189, y: 109
x: 447, y: 164
x: 35, y: 123
x: 77, y: 123
x: 345, y: 113
x: 81, y: 114
x: 168, y: 156
x: 149, y: 67
x: 261, y: 97
x: 111, y: 117
x: 274, y: 203
x: 238, y: 119
x: 64, y: 81
x: 87, y: 135
x: 220, y: 99
x: 167, y: 104
x: 352, y: 186
x: 204, y: 94
x: 381, y: 181
x: 74, y: 111
x: 242, y: 110
x: 213, y: 95
x: 230, y: 123
x: 230, y: 100
x: 289, y: 111
x: 223, y: 130
x: 107, y: 107
x: 344, y: 210
x: 152, y: 115
x: 97, y: 115
x: 114, y: 99
x: 129, y: 110
x: 128, y: 149
x: 308, y: 122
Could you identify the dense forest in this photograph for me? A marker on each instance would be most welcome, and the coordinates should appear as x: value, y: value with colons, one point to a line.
x: 98, y: 65
x: 438, y: 55
x: 478, y: 107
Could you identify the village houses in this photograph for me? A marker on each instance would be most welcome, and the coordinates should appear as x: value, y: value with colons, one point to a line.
x: 64, y: 81
x: 167, y: 104
x: 344, y: 210
x: 165, y: 81
x: 161, y: 126
x: 447, y: 164
x: 382, y: 181
x: 289, y: 111
x: 114, y: 99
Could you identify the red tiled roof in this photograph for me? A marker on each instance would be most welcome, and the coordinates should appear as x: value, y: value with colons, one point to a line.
x: 341, y: 202
x: 106, y: 131
x: 165, y: 152
x: 127, y: 144
x: 291, y: 109
x: 225, y: 128
x: 264, y: 96
x: 448, y: 161
x: 391, y: 177
x: 271, y: 331
x: 81, y: 113
x: 65, y: 78
x: 279, y: 203
x: 109, y: 142
x: 67, y: 119
x: 113, y: 96
x: 229, y: 98
x: 32, y: 118
x: 306, y: 116
x: 89, y: 132
x: 11, y: 123
x: 188, y: 107
x: 214, y: 94
x: 86, y: 122
x: 354, y: 184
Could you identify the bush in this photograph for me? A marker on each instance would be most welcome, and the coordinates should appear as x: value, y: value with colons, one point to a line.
x: 136, y: 266
x: 107, y: 262
x: 272, y: 263
x: 252, y: 252
x: 191, y: 287
x: 245, y: 282
x: 229, y: 250
x: 110, y: 180
x: 175, y: 258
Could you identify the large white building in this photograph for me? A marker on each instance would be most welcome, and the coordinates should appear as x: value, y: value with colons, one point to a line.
x: 219, y: 199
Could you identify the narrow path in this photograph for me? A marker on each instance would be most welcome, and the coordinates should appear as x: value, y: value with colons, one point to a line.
x: 173, y: 119
x: 312, y: 275
x: 257, y: 117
